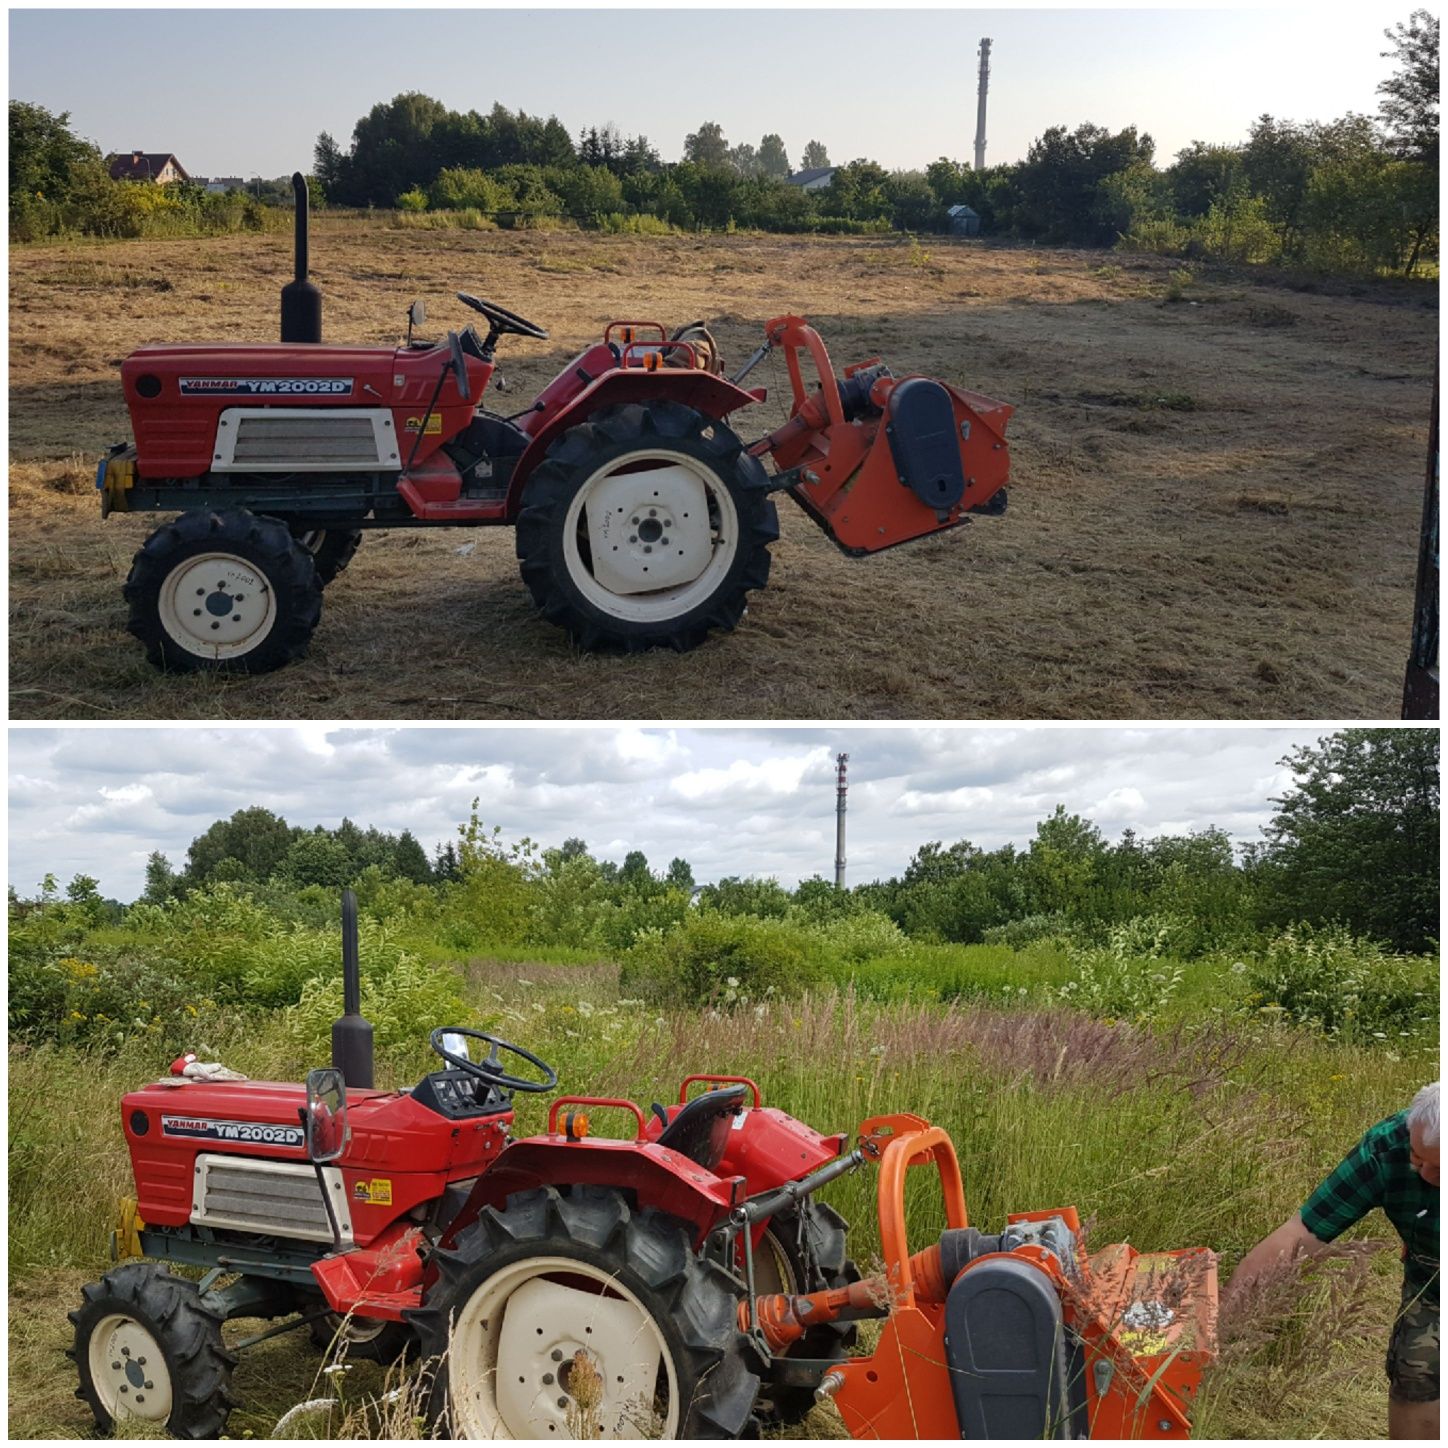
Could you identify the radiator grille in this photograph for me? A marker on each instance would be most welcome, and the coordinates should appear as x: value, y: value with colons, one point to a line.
x: 280, y: 441
x: 277, y: 1198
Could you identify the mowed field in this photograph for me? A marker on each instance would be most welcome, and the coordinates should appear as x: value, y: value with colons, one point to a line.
x: 1217, y: 484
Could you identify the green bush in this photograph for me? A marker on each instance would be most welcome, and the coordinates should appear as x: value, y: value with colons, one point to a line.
x: 865, y: 935
x: 414, y: 200
x: 1029, y: 929
x: 101, y: 998
x: 1125, y: 979
x: 713, y: 959
x: 403, y: 1006
x: 1342, y: 985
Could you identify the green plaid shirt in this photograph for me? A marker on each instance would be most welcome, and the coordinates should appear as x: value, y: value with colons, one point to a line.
x: 1377, y: 1172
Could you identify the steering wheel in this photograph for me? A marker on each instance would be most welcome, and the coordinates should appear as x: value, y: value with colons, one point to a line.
x: 501, y: 320
x: 490, y: 1070
x: 460, y: 365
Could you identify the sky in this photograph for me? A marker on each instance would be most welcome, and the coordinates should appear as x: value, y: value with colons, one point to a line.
x: 731, y: 800
x: 246, y: 92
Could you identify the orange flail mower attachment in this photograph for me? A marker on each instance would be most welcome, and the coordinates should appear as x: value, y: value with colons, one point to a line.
x: 879, y: 460
x: 1144, y: 1323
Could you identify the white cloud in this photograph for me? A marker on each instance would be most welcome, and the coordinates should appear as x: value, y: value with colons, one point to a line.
x: 744, y: 778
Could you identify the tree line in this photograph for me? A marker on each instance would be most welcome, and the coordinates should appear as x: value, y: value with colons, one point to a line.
x: 1354, y: 841
x: 1354, y: 194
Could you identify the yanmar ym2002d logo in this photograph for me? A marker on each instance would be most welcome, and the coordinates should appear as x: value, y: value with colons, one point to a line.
x: 266, y: 386
x: 263, y: 1133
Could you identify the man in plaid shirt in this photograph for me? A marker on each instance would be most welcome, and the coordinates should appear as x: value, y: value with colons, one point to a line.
x: 1395, y: 1167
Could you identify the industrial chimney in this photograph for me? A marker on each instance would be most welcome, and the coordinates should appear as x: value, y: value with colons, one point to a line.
x: 980, y: 105
x: 841, y: 790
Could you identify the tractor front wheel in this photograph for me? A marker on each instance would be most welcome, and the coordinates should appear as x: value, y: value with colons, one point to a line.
x: 226, y: 592
x: 570, y: 1315
x: 646, y: 525
x: 150, y: 1352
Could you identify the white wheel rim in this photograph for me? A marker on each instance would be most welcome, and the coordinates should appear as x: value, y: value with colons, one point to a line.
x: 128, y: 1370
x: 217, y: 605
x: 517, y: 1338
x: 711, y: 540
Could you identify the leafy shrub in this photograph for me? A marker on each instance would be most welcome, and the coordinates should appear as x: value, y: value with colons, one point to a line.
x: 462, y: 188
x: 404, y: 1006
x: 101, y: 998
x: 1343, y: 985
x: 1030, y: 929
x: 711, y: 958
x: 865, y: 935
x: 1158, y: 235
x: 1125, y: 979
x: 414, y: 200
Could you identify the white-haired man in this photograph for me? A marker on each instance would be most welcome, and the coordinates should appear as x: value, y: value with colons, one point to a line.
x: 1395, y: 1167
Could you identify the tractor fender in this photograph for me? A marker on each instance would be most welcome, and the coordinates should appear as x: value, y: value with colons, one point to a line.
x: 715, y: 397
x: 653, y: 1175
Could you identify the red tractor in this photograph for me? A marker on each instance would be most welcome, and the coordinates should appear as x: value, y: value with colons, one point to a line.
x: 642, y: 517
x: 679, y: 1282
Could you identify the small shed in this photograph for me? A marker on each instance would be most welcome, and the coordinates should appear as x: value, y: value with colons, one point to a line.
x: 964, y: 221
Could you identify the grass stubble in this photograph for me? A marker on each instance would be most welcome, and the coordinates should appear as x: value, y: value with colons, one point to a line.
x: 1214, y: 513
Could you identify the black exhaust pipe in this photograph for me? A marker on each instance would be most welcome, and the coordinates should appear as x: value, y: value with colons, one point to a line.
x: 351, y: 1035
x: 301, y: 301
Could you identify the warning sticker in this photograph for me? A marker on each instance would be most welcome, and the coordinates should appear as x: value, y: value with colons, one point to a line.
x: 376, y: 1193
x: 434, y: 425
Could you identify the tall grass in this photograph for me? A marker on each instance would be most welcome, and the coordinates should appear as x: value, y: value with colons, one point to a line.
x: 1207, y: 1127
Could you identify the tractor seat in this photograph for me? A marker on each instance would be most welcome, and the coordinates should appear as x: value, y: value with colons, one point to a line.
x: 701, y: 1130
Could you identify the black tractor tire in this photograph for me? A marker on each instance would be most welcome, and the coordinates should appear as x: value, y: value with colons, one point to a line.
x: 367, y: 1339
x: 188, y: 1333
x: 811, y: 1239
x: 692, y: 1302
x: 332, y: 549
x: 262, y: 548
x: 609, y: 435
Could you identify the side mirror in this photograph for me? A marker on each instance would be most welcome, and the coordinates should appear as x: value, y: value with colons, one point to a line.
x: 416, y: 314
x: 324, y: 1122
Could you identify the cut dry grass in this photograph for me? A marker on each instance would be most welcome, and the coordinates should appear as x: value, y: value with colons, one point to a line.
x: 1127, y: 580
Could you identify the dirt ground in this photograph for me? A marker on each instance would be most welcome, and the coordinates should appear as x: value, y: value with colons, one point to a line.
x: 1217, y: 483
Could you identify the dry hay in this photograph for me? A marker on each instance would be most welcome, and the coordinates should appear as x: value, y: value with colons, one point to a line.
x: 1214, y: 513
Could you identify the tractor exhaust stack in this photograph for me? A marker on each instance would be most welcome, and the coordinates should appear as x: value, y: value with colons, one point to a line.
x: 351, y: 1035
x: 301, y: 301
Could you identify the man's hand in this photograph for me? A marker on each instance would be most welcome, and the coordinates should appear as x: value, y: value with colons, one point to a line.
x: 1290, y: 1240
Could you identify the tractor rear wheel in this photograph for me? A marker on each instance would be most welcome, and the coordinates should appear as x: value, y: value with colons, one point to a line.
x: 646, y: 525
x: 570, y: 1315
x: 803, y: 1250
x: 149, y: 1350
x: 332, y: 549
x: 226, y: 592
